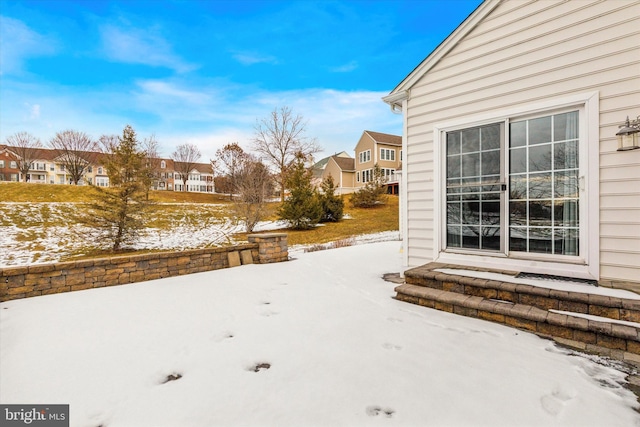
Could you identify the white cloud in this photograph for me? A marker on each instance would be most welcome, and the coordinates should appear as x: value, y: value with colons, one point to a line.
x: 250, y: 58
x: 166, y: 90
x: 345, y: 68
x: 208, y: 114
x: 35, y: 111
x: 335, y: 118
x: 136, y: 46
x: 19, y: 42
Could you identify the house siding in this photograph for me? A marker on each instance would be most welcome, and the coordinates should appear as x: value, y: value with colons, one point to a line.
x: 343, y: 180
x: 365, y: 143
x: 524, y: 53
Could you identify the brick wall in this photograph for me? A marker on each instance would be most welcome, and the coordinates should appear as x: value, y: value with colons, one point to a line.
x: 45, y: 279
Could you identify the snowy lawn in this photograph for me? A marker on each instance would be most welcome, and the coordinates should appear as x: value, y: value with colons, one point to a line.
x: 316, y: 341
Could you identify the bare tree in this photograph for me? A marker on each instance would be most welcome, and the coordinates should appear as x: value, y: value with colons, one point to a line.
x: 108, y: 143
x: 253, y: 183
x: 227, y: 163
x: 151, y: 173
x: 279, y: 138
x: 26, y: 148
x: 185, y: 159
x: 76, y: 151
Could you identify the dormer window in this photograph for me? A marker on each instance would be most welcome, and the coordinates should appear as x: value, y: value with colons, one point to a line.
x: 163, y: 165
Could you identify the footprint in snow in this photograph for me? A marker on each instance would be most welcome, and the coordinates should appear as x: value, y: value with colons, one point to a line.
x: 172, y: 377
x: 555, y: 402
x: 390, y: 346
x: 223, y: 336
x: 374, y: 411
x: 268, y: 313
x: 259, y: 367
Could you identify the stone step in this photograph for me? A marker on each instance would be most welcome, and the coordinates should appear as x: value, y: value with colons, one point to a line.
x: 621, y: 341
x: 540, y: 297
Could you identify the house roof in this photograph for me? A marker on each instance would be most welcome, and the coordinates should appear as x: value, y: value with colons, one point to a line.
x: 385, y: 138
x: 320, y: 164
x: 344, y: 163
x: 203, y: 167
x: 401, y: 91
x: 199, y: 167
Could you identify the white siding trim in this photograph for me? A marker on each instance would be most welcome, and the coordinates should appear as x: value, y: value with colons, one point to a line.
x: 404, y: 231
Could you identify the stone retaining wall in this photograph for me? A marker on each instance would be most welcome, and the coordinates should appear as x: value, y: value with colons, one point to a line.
x: 45, y: 279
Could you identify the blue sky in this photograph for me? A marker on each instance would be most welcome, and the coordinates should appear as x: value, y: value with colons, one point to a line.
x: 203, y: 72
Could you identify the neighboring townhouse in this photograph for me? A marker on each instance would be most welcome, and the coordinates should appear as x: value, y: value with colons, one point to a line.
x: 164, y: 178
x: 341, y: 167
x: 8, y: 165
x: 200, y: 180
x: 48, y: 169
x: 512, y: 158
x: 382, y: 149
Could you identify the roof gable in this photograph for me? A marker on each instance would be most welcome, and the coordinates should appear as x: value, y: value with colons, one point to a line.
x: 400, y: 92
x: 384, y: 138
x: 344, y: 163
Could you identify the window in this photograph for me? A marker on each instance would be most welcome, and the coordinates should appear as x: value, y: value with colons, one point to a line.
x: 513, y: 186
x: 90, y: 169
x: 358, y: 176
x: 364, y: 156
x: 543, y: 182
x: 388, y: 174
x: 387, y: 154
x: 99, y: 170
x: 1, y: 164
x: 14, y: 165
x: 163, y: 164
x: 102, y: 181
x: 367, y: 175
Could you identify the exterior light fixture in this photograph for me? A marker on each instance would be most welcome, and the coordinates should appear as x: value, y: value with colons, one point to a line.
x: 628, y: 135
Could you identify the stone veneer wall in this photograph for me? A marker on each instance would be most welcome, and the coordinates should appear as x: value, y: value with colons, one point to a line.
x: 45, y: 279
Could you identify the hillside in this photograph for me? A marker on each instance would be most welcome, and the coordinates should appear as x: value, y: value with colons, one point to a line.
x: 38, y: 225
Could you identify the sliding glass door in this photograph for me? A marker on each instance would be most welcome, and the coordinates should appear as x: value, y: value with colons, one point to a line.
x: 515, y: 196
x: 474, y: 176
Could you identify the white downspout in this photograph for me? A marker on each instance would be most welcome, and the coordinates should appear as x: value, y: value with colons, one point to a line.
x: 394, y: 102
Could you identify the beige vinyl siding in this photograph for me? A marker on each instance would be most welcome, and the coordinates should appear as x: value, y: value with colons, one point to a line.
x: 531, y: 52
x: 365, y: 143
x: 332, y: 169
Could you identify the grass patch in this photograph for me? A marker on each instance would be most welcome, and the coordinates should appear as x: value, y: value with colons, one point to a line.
x: 360, y: 221
x: 20, y: 192
x: 24, y: 192
x: 41, y: 214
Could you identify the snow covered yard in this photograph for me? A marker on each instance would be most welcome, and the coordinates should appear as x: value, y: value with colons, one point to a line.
x: 317, y: 341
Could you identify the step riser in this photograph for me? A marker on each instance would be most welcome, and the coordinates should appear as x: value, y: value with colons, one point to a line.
x: 546, y: 299
x: 617, y: 341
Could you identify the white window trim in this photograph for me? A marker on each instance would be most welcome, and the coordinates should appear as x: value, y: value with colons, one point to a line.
x: 364, y: 156
x: 587, y: 266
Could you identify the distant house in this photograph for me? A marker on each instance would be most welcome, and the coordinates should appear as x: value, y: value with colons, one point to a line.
x: 511, y: 154
x: 199, y: 179
x: 382, y: 149
x: 48, y: 168
x: 341, y: 167
x: 8, y: 165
